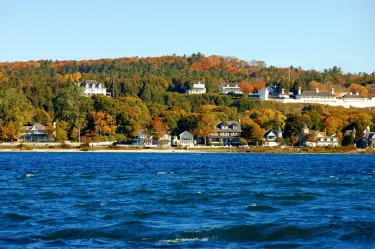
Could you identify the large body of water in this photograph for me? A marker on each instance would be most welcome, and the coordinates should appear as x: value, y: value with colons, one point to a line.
x: 152, y: 200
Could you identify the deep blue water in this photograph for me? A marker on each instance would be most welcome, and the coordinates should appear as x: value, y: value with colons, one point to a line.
x: 136, y: 200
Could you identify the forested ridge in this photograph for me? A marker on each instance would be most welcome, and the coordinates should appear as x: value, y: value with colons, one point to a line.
x: 149, y: 93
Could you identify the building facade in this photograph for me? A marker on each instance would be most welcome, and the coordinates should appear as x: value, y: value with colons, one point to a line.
x: 227, y: 133
x: 92, y: 87
x: 271, y: 137
x: 331, y: 98
x: 184, y: 139
x: 36, y: 133
x: 367, y: 140
x: 199, y: 87
x: 230, y: 88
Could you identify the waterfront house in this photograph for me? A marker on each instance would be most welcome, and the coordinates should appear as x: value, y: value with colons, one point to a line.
x: 227, y: 133
x: 142, y: 139
x: 313, y: 138
x: 367, y: 140
x: 271, y: 137
x: 184, y: 139
x: 36, y: 133
x: 198, y: 88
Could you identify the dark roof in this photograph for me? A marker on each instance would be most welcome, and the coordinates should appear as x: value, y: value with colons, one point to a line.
x: 230, y: 124
x: 354, y: 96
x: 317, y: 94
x: 90, y: 83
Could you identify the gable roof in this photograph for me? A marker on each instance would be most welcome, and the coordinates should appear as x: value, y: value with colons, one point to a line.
x: 186, y: 136
x: 90, y: 83
x: 233, y: 126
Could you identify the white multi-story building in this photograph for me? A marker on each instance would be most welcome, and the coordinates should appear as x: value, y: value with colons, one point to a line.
x: 317, y: 97
x: 92, y: 87
x: 198, y: 88
x: 230, y: 88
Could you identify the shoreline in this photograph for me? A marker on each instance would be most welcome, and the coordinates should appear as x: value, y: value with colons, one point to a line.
x: 184, y: 151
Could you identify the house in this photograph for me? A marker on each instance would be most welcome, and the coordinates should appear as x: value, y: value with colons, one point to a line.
x: 230, y: 88
x: 367, y: 140
x: 350, y: 132
x: 36, y: 133
x: 227, y: 133
x: 332, y: 140
x: 164, y: 141
x: 184, y: 139
x: 92, y: 87
x: 313, y: 138
x: 142, y: 139
x: 198, y: 88
x: 270, y: 137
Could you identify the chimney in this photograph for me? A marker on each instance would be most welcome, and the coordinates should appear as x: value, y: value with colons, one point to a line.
x: 368, y: 129
x: 282, y: 91
x: 357, y: 93
x: 317, y: 90
x: 351, y: 93
x: 333, y: 90
x: 299, y: 91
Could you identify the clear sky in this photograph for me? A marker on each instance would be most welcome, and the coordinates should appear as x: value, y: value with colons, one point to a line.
x: 314, y: 34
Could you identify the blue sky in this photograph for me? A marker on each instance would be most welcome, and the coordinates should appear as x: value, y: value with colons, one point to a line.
x: 312, y: 34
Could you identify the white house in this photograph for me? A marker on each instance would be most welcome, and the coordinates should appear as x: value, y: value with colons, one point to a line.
x: 328, y: 141
x: 92, y: 87
x: 314, y: 138
x: 271, y: 136
x: 199, y: 87
x: 142, y: 139
x: 230, y: 88
x: 184, y: 139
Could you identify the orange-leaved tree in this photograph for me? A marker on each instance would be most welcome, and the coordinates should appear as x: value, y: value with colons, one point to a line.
x: 205, y: 126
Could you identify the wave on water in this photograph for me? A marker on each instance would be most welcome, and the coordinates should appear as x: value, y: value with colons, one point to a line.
x: 258, y: 208
x: 16, y: 217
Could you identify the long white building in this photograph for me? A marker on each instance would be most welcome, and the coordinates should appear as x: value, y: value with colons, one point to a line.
x: 230, y: 88
x: 318, y: 97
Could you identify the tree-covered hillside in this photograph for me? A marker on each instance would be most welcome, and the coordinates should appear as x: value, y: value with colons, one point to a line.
x: 149, y: 93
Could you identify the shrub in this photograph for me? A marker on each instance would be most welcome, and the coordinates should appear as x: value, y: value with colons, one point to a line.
x: 24, y: 147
